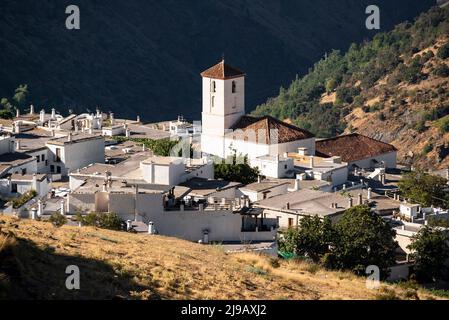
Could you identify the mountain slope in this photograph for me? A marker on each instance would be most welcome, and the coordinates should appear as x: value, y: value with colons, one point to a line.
x: 144, y: 57
x: 393, y: 88
x: 34, y: 256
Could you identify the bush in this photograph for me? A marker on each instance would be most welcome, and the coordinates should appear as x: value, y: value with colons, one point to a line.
x: 443, y: 52
x: 443, y: 124
x: 442, y: 70
x: 109, y: 221
x: 57, y: 219
x: 420, y: 126
x: 428, y: 148
x: 24, y: 198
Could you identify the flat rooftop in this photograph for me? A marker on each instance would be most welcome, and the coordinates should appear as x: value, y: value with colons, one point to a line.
x: 203, y: 187
x: 264, y: 185
x: 307, y: 202
x: 76, y: 138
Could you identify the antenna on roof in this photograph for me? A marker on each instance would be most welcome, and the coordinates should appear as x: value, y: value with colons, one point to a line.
x: 223, y: 57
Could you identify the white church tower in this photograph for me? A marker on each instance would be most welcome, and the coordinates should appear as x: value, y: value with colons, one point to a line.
x: 223, y: 105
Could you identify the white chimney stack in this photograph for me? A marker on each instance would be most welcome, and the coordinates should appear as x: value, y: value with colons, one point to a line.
x: 40, y: 208
x: 98, y: 113
x: 69, y: 137
x: 297, y: 187
x: 312, y: 161
x: 53, y: 113
x: 42, y: 116
x: 111, y: 116
x: 17, y: 113
x: 62, y: 209
x: 138, y: 118
x: 31, y: 110
x: 369, y: 193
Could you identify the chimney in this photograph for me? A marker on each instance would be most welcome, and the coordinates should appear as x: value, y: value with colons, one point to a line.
x: 350, y: 202
x: 128, y: 225
x: 312, y: 162
x: 40, y: 208
x: 382, y: 178
x: 62, y: 209
x: 360, y: 199
x: 287, y: 206
x: 303, y: 151
x: 297, y: 187
x: 69, y: 137
x: 259, y: 179
x: 151, y: 228
x: 53, y: 113
x: 52, y: 132
x: 369, y: 193
x: 18, y: 145
x: 17, y: 113
x: 105, y: 186
x: 111, y: 116
x: 138, y: 119
x: 31, y: 110
x: 98, y: 113
x: 91, y: 131
x: 42, y: 116
x: 33, y: 214
x: 127, y: 132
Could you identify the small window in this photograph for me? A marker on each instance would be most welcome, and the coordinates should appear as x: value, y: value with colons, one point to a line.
x: 14, y: 188
x: 43, y: 157
x: 46, y: 162
x: 58, y: 155
x: 52, y: 168
x: 213, y: 87
x: 38, y: 159
x: 58, y: 169
x: 290, y: 222
x: 285, y: 167
x: 234, y: 87
x: 213, y: 102
x: 24, y: 171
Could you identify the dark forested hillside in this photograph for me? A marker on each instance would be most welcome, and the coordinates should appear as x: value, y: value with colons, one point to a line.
x: 394, y: 88
x: 144, y: 57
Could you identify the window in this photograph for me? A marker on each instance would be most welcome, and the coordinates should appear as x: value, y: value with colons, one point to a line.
x: 285, y: 167
x: 42, y: 157
x: 46, y: 162
x: 290, y: 222
x: 234, y: 87
x: 58, y: 169
x: 52, y: 168
x: 14, y: 188
x: 213, y: 101
x: 38, y: 159
x: 24, y: 171
x: 213, y: 87
x: 58, y: 155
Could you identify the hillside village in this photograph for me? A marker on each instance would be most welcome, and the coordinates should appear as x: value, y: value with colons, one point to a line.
x: 74, y: 165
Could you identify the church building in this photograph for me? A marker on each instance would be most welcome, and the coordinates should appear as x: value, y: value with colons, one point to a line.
x: 226, y: 129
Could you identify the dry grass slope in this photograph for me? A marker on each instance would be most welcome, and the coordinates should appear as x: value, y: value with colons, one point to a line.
x: 116, y: 265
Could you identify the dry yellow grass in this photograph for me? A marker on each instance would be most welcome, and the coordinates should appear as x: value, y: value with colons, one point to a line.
x: 34, y: 256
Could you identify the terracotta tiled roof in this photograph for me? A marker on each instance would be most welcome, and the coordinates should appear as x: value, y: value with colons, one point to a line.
x: 222, y: 71
x: 352, y: 147
x: 267, y: 130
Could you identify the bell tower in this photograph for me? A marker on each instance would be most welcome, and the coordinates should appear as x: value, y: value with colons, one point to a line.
x: 223, y: 105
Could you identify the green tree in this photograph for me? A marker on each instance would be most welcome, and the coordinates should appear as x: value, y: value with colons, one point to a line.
x: 21, y: 94
x: 425, y: 189
x: 104, y: 220
x: 430, y: 250
x: 362, y: 238
x: 311, y: 238
x: 236, y: 169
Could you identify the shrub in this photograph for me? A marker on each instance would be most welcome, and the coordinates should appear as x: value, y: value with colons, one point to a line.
x: 442, y: 70
x: 443, y: 52
x: 443, y: 124
x: 420, y: 126
x: 428, y: 148
x: 57, y: 219
x: 106, y: 220
x: 24, y: 198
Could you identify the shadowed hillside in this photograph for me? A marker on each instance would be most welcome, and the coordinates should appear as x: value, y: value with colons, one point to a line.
x: 144, y: 57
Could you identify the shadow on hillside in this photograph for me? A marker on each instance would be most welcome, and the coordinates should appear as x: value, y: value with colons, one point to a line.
x: 29, y: 272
